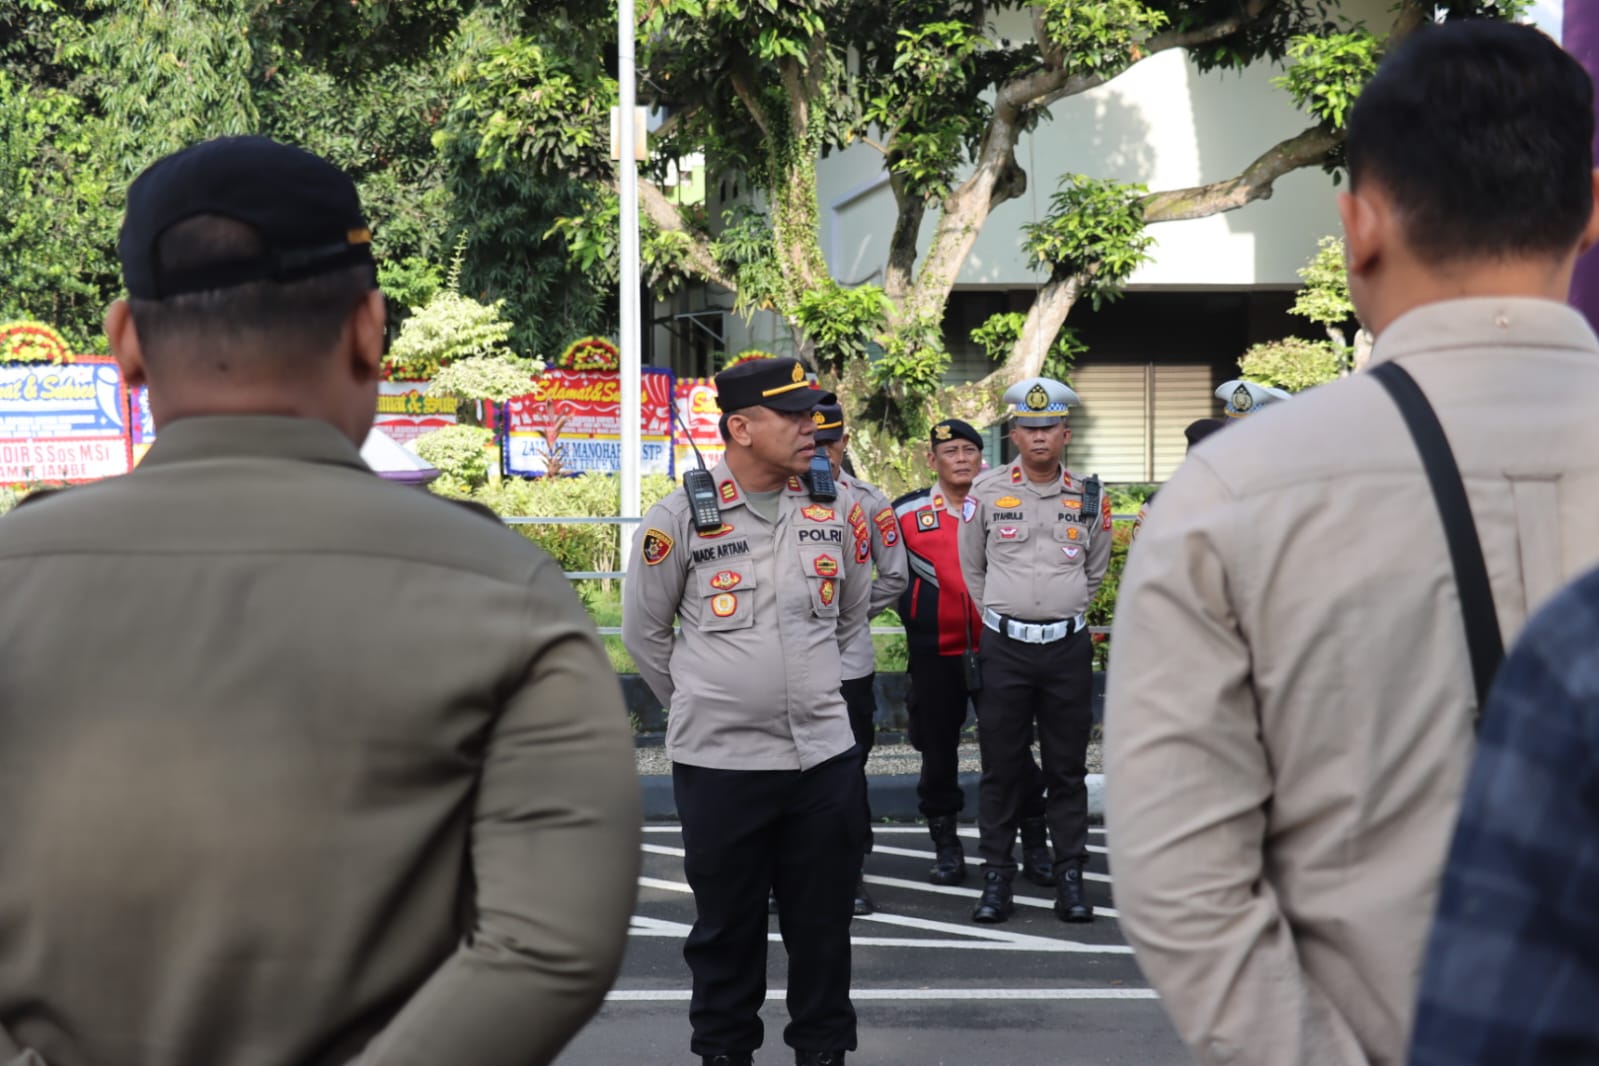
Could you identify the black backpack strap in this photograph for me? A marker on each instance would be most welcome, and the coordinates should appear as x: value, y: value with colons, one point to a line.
x: 1483, y: 639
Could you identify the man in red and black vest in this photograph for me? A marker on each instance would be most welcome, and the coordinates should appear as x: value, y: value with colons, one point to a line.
x: 941, y: 625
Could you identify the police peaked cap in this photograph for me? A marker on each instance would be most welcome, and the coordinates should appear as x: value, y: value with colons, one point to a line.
x: 1245, y: 397
x: 781, y: 384
x: 1039, y: 402
x: 304, y: 209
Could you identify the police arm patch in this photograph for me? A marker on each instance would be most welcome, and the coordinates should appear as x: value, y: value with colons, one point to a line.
x: 656, y: 547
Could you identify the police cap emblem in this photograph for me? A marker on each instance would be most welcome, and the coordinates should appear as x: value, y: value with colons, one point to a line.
x: 1243, y: 402
x: 1037, y: 399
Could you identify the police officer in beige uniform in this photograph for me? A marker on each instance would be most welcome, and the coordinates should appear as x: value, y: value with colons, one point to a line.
x: 764, y: 764
x: 1291, y: 698
x: 246, y: 820
x: 1034, y: 546
x: 870, y: 512
x: 1243, y: 398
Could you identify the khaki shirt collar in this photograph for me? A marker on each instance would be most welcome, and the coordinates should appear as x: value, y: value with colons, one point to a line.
x: 1516, y: 322
x: 730, y: 493
x: 252, y: 437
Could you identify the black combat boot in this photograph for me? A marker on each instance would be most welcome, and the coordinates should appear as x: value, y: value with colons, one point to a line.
x: 863, y: 901
x: 818, y: 1058
x: 727, y: 1060
x: 1070, y: 903
x: 995, y: 904
x: 1036, y: 864
x: 949, y: 867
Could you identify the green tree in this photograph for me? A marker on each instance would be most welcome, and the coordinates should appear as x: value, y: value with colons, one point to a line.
x: 765, y: 88
x: 1295, y: 363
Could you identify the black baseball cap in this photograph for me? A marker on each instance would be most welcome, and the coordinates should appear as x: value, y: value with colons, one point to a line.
x: 304, y: 209
x: 781, y: 384
x: 829, y: 419
x: 954, y: 429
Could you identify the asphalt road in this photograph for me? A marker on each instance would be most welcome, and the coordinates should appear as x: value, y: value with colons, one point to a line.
x: 931, y: 988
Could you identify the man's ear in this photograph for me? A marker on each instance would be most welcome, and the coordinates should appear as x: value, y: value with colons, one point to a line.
x: 1590, y: 236
x: 366, y: 325
x: 1366, y: 219
x: 124, y: 341
x: 738, y: 427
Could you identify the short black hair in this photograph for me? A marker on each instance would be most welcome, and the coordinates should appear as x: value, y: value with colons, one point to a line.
x: 1482, y: 132
x: 292, y: 321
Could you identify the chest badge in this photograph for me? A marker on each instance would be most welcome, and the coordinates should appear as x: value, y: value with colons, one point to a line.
x: 726, y: 579
x: 724, y: 605
x: 828, y: 592
x: 1072, y: 505
x: 826, y: 566
x: 817, y: 513
x: 1072, y: 550
x: 712, y: 534
x: 1073, y: 533
x: 1007, y: 502
x: 1007, y: 532
x: 927, y: 519
x: 656, y: 547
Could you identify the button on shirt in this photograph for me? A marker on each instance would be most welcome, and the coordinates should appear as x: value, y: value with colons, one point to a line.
x: 1033, y: 551
x: 887, y: 555
x: 752, y: 677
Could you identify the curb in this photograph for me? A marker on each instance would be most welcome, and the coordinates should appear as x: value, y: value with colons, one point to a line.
x: 893, y: 797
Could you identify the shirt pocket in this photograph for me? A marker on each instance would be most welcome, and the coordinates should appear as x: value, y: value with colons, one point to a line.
x: 727, y: 599
x: 1073, y: 540
x: 824, y: 578
x: 1006, y: 538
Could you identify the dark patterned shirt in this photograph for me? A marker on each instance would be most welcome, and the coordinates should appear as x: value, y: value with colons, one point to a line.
x: 1512, y: 970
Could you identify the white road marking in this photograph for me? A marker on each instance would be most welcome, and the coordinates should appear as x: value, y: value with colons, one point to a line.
x: 680, y: 995
x: 898, y: 882
x: 968, y: 933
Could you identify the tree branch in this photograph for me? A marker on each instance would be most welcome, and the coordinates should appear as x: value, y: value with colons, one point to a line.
x: 1255, y: 183
x: 977, y: 402
x: 673, y: 121
x: 752, y: 104
x: 1043, y: 87
x: 668, y: 217
x: 902, y: 245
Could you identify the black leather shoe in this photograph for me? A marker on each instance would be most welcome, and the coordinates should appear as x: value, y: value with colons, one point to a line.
x: 727, y: 1060
x: 1037, y: 866
x: 995, y: 904
x: 1070, y: 903
x: 818, y: 1058
x: 863, y: 901
x: 949, y: 866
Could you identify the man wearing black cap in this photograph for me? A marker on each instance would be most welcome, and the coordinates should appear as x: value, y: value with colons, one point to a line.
x: 765, y: 770
x: 943, y: 630
x: 247, y: 834
x: 870, y: 513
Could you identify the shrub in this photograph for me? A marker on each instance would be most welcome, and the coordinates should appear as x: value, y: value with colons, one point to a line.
x: 1103, y: 609
x: 459, y: 454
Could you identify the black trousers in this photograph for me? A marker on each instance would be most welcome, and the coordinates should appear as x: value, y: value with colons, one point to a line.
x: 937, y: 711
x: 1050, y: 686
x: 797, y: 832
x: 860, y: 697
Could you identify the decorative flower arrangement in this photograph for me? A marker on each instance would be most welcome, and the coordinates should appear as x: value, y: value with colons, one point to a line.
x: 32, y: 342
x: 748, y: 356
x: 590, y: 353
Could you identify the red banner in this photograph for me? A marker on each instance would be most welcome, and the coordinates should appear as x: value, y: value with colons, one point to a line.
x: 696, y: 407
x: 574, y: 416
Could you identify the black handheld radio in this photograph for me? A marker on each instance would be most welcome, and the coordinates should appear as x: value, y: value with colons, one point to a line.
x: 704, y: 505
x: 820, y: 478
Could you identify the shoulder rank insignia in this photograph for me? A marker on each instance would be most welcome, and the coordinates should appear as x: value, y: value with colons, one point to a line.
x: 1016, y: 475
x: 729, y: 491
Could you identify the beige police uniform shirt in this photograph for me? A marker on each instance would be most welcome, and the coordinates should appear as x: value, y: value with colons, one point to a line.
x: 299, y: 766
x: 888, y: 558
x: 1033, y: 551
x: 751, y: 679
x: 1290, y: 697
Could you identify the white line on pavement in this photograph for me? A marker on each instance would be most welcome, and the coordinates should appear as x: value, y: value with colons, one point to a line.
x: 971, y: 893
x: 1014, y: 941
x: 682, y: 995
